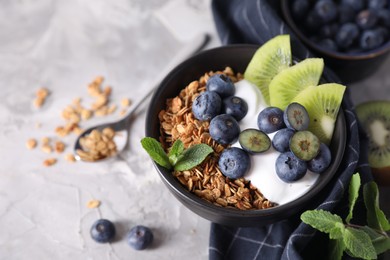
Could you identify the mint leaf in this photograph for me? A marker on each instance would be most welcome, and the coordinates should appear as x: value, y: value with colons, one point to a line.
x: 354, y: 187
x: 359, y: 243
x: 324, y: 221
x: 380, y: 241
x: 376, y: 219
x: 336, y: 249
x: 337, y: 231
x: 193, y: 156
x: 176, y: 151
x: 156, y: 152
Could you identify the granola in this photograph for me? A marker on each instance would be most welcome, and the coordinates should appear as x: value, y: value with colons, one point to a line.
x: 205, y: 180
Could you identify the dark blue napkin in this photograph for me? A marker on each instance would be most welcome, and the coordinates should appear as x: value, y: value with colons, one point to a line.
x: 255, y: 22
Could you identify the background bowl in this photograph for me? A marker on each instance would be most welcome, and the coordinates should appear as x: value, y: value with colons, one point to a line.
x: 237, y: 57
x: 350, y: 67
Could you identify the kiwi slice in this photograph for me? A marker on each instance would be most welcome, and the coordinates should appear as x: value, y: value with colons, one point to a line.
x: 305, y: 145
x: 254, y: 141
x: 290, y: 82
x: 374, y: 117
x: 322, y: 104
x: 270, y: 59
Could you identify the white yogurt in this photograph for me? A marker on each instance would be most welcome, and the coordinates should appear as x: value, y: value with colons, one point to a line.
x: 262, y: 173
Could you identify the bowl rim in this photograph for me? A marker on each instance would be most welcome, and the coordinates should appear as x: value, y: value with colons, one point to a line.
x: 336, y: 55
x: 183, y: 193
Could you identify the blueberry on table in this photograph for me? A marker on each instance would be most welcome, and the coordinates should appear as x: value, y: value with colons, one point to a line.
x: 234, y: 162
x: 322, y: 161
x: 103, y: 231
x: 235, y: 106
x: 221, y: 84
x: 289, y: 168
x: 140, y: 237
x: 206, y: 105
x: 270, y: 120
x: 224, y: 129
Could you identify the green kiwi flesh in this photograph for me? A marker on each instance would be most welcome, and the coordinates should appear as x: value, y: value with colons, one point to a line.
x: 322, y: 103
x: 374, y: 117
x: 290, y: 82
x: 271, y: 58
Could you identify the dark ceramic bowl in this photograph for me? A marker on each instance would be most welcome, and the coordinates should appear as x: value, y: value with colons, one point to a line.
x: 350, y: 67
x: 237, y: 57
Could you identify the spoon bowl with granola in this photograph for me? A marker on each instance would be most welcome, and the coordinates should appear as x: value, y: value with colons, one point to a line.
x: 259, y: 196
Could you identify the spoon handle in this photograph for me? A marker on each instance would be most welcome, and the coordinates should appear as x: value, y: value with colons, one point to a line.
x: 195, y: 45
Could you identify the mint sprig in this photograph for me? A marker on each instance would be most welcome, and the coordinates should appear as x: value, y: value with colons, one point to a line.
x: 364, y: 242
x: 178, y: 158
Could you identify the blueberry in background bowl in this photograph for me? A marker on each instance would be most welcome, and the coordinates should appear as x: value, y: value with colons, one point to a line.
x: 237, y: 57
x: 353, y: 36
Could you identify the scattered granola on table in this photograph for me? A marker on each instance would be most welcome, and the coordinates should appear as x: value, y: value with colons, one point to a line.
x: 206, y: 179
x: 74, y: 114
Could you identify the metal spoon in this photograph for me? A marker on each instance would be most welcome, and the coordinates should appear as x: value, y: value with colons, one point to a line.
x: 122, y: 126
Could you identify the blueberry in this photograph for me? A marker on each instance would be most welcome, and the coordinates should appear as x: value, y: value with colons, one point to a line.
x: 296, y: 117
x: 224, y: 129
x: 384, y: 17
x: 299, y: 8
x: 346, y: 14
x: 371, y: 39
x: 326, y: 10
x: 281, y: 140
x: 270, y: 120
x: 356, y: 5
x: 221, y: 84
x: 328, y: 30
x: 254, y: 141
x: 322, y: 161
x: 234, y: 162
x: 235, y: 106
x: 346, y: 35
x: 103, y: 231
x: 366, y: 19
x: 289, y: 168
x: 328, y: 44
x: 384, y: 32
x: 206, y: 105
x: 139, y: 237
x: 377, y: 4
x: 312, y: 22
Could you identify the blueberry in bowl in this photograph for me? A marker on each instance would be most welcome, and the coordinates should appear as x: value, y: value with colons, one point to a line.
x: 353, y: 36
x: 237, y: 184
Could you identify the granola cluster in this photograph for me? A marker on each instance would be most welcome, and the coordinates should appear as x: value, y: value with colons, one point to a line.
x: 205, y: 180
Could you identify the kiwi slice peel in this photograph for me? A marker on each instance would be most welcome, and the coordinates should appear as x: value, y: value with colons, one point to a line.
x: 271, y: 58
